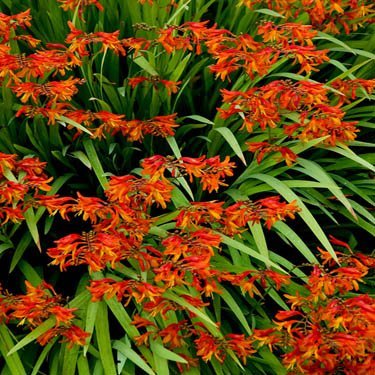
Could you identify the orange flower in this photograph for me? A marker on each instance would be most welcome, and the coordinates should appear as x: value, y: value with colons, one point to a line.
x: 137, y: 192
x: 263, y: 148
x: 79, y: 40
x: 90, y: 208
x: 199, y: 213
x: 74, y: 335
x: 241, y: 345
x: 55, y: 204
x: 161, y: 126
x: 14, y: 215
x: 156, y: 81
x: 208, y: 346
x: 94, y: 250
x: 54, y: 90
x: 172, y: 336
x: 7, y: 161
x: 9, y: 23
x: 73, y: 4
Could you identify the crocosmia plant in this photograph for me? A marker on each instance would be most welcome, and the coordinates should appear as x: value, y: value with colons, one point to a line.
x: 186, y: 186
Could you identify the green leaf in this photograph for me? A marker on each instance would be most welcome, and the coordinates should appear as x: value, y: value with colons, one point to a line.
x: 316, y: 171
x: 260, y: 240
x: 145, y: 65
x: 33, y: 335
x: 161, y: 351
x: 70, y: 360
x: 176, y: 151
x: 95, y: 162
x: 297, y: 241
x: 104, y: 340
x: 232, y: 141
x: 200, y: 119
x: 83, y: 365
x: 269, y: 12
x: 133, y: 356
x: 182, y: 302
x: 91, y: 314
x: 353, y: 156
x: 31, y: 224
x: 13, y: 361
x: 42, y: 357
x: 235, y: 309
x: 248, y: 250
x: 330, y: 38
x: 305, y: 214
x: 83, y: 158
x: 74, y: 124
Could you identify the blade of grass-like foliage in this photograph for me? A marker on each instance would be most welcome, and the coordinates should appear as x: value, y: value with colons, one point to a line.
x: 163, y: 352
x: 91, y: 315
x: 359, y: 52
x: 269, y: 12
x: 260, y: 240
x: 29, y: 272
x: 33, y: 335
x: 95, y: 162
x: 275, y: 296
x: 236, y: 309
x: 104, y: 340
x: 176, y: 151
x: 362, y: 211
x: 344, y: 151
x: 31, y: 224
x: 20, y: 249
x: 179, y: 67
x: 305, y: 214
x: 360, y: 222
x: 133, y: 356
x: 145, y: 65
x: 122, y: 316
x: 83, y: 365
x: 353, y: 187
x: 183, y: 6
x: 200, y: 119
x: 81, y: 156
x: 272, y: 361
x: 248, y: 250
x: 330, y: 38
x: 70, y: 358
x: 296, y: 240
x: 232, y: 141
x: 42, y: 357
x: 316, y: 171
x: 75, y: 124
x: 217, y: 367
x: 178, y: 198
x: 13, y: 361
x: 346, y: 72
x: 210, y: 325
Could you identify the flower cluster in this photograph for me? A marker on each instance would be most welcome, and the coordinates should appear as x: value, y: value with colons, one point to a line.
x: 326, y: 330
x: 235, y: 52
x: 210, y: 171
x: 330, y: 16
x: 232, y: 219
x: 35, y: 307
x: 268, y: 106
x: 20, y: 180
x: 206, y: 345
x: 170, y: 86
